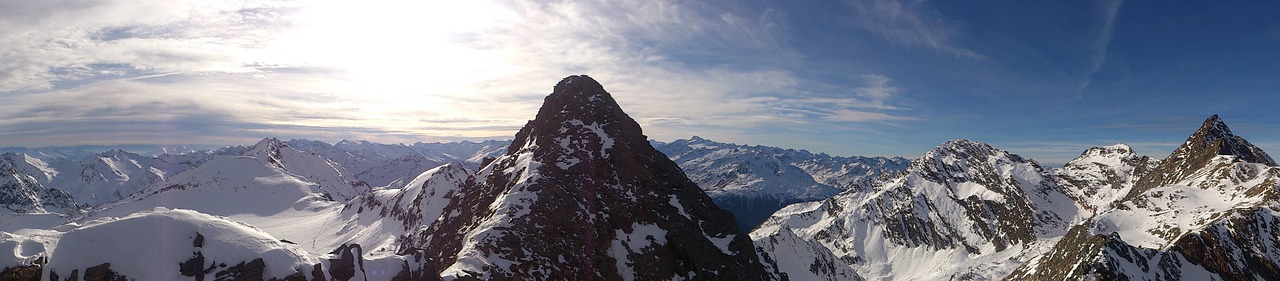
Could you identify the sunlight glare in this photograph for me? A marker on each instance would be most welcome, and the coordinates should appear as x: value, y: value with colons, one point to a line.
x: 392, y: 50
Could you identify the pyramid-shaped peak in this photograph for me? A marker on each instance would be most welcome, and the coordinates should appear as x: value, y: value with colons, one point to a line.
x: 1215, y: 135
x: 581, y: 186
x: 580, y: 106
x: 1211, y: 140
x: 1212, y: 129
x: 266, y: 144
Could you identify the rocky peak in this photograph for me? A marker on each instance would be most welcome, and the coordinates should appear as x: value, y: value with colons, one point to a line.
x: 1102, y: 175
x: 954, y: 159
x: 582, y: 195
x: 962, y: 148
x: 268, y: 149
x: 580, y: 105
x: 1213, y: 138
x: 1214, y: 135
x: 1120, y: 151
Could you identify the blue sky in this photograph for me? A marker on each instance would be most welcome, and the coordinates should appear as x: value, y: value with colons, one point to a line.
x: 1045, y: 79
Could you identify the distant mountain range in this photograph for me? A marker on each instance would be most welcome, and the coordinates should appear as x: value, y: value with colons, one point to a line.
x: 580, y: 193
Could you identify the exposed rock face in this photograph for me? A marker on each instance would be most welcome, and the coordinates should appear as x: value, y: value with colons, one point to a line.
x: 581, y: 195
x: 1209, y: 211
x: 963, y: 210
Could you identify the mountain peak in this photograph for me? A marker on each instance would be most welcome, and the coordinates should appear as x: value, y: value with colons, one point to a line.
x: 575, y: 94
x: 1213, y: 139
x: 961, y: 147
x: 1116, y: 150
x: 1214, y: 136
x: 581, y: 183
x: 580, y: 105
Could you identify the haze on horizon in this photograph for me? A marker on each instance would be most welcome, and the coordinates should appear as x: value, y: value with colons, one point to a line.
x: 1044, y: 79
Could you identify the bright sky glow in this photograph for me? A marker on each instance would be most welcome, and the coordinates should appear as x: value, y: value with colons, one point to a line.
x: 1045, y: 79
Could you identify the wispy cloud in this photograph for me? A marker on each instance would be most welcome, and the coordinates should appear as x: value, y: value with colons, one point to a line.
x: 1107, y: 10
x: 910, y: 24
x: 46, y: 42
x: 872, y: 101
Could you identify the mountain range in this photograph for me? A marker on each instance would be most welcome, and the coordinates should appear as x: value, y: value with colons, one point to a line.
x: 581, y: 193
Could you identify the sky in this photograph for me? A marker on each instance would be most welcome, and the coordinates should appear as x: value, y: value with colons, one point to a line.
x: 1043, y: 79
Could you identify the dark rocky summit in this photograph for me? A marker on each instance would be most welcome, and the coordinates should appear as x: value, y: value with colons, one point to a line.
x: 1212, y: 139
x: 582, y: 195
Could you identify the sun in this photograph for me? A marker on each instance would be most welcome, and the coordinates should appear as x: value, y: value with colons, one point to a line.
x: 391, y: 49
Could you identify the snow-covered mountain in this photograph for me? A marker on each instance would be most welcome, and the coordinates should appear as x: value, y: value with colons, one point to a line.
x: 963, y: 210
x: 388, y: 220
x: 116, y: 174
x: 21, y: 190
x: 1103, y: 175
x: 394, y: 165
x: 266, y: 180
x: 582, y: 195
x: 754, y: 181
x: 1208, y: 211
x: 292, y: 202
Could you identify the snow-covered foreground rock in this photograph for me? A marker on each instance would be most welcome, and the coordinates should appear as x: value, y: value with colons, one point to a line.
x: 171, y: 245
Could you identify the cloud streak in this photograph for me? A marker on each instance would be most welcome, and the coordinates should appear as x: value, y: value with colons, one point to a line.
x: 1107, y: 10
x: 47, y: 42
x: 909, y: 24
